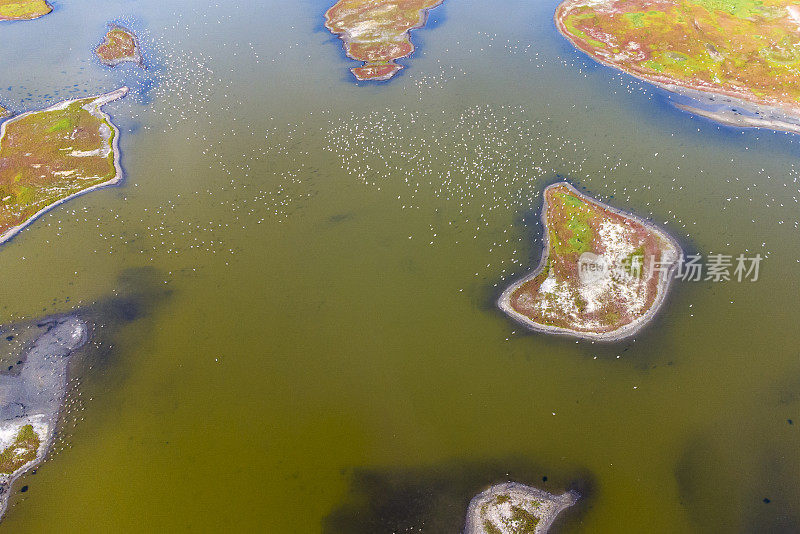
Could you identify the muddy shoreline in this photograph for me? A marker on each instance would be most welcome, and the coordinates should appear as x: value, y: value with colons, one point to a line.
x: 138, y: 57
x: 731, y: 108
x: 95, y: 109
x: 33, y: 394
x: 625, y: 331
x: 347, y: 40
x: 486, y: 505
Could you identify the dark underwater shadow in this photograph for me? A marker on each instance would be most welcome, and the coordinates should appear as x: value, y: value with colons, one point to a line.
x: 434, y: 499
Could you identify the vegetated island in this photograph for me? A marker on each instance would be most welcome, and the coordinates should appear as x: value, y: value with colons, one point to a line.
x: 32, y: 391
x: 740, y: 59
x: 50, y: 156
x: 4, y: 112
x: 377, y: 32
x: 23, y: 9
x: 120, y: 45
x: 513, y: 508
x: 603, y: 273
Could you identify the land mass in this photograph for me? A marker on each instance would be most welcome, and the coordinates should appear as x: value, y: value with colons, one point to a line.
x: 120, y: 45
x: 52, y: 155
x: 513, y: 508
x: 377, y: 32
x: 603, y: 273
x: 23, y: 9
x: 745, y: 50
x: 31, y: 394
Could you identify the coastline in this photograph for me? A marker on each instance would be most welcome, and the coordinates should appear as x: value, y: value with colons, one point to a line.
x: 517, y: 494
x: 729, y: 110
x: 138, y: 59
x: 48, y: 355
x: 32, y: 17
x: 664, y: 282
x: 96, y: 111
x: 781, y: 113
x: 347, y: 40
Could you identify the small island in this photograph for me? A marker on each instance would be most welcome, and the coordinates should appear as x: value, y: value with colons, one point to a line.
x: 120, y: 45
x: 32, y: 391
x: 603, y: 273
x: 739, y: 59
x: 377, y: 33
x: 52, y: 155
x: 513, y: 508
x: 4, y: 112
x: 23, y: 9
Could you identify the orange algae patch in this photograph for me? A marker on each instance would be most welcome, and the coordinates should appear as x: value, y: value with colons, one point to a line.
x: 603, y: 273
x: 376, y: 72
x: 120, y: 45
x: 23, y: 9
x: 49, y: 156
x: 745, y: 49
x: 377, y: 32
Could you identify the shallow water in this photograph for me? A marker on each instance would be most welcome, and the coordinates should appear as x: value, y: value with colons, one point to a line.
x: 296, y: 284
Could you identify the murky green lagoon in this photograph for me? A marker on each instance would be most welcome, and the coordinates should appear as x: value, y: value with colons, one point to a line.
x: 294, y: 286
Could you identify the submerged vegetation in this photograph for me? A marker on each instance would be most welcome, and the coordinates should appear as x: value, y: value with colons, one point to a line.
x: 376, y: 32
x: 748, y: 49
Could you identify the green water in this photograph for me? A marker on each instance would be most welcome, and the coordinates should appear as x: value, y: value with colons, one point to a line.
x: 311, y: 342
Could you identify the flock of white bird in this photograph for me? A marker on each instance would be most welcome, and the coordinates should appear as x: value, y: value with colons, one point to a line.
x: 482, y: 165
x: 470, y: 170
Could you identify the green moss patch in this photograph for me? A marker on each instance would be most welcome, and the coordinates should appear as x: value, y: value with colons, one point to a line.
x: 523, y: 521
x: 21, y: 451
x: 571, y: 232
x: 61, y: 124
x: 23, y: 9
x: 738, y: 8
x: 750, y: 48
x: 51, y: 154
